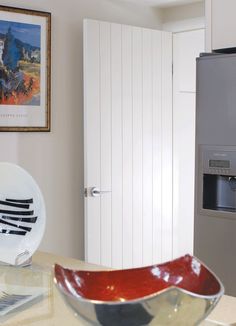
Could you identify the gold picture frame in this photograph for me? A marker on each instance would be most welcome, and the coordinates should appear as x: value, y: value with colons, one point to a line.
x: 25, y: 70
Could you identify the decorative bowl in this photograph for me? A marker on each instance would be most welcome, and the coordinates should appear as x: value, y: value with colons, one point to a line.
x: 181, y: 292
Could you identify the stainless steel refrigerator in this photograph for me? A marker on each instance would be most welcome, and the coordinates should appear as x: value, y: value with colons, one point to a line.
x: 215, y: 179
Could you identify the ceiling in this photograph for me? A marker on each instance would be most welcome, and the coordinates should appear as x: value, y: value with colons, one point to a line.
x: 163, y: 3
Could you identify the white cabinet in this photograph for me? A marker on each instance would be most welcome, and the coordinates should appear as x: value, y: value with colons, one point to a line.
x: 220, y: 24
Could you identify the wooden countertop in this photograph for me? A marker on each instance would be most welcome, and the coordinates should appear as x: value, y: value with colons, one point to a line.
x: 52, y: 310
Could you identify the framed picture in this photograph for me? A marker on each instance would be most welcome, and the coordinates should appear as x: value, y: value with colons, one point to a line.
x: 25, y: 64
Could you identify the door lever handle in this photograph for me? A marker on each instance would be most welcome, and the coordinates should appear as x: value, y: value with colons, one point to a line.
x: 95, y: 192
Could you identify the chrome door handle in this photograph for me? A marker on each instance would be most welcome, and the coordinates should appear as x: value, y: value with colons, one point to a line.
x: 95, y: 192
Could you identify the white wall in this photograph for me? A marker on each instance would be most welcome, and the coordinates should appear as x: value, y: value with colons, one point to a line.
x: 55, y: 159
x: 185, y: 17
x: 183, y: 12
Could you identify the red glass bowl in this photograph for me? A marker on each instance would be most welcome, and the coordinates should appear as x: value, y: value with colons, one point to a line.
x: 179, y: 292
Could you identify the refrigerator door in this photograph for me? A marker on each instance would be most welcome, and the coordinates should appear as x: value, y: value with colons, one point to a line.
x: 215, y: 224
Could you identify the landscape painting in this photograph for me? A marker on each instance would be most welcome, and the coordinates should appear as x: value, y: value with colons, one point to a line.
x: 19, y: 63
x: 25, y: 69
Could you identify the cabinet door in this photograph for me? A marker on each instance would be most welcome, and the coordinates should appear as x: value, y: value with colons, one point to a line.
x: 220, y: 24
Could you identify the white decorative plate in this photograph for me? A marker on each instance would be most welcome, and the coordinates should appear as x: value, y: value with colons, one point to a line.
x: 22, y: 214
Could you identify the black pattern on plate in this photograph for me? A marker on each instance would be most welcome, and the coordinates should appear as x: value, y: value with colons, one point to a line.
x: 5, y: 231
x: 18, y: 205
x: 20, y: 219
x: 4, y: 211
x: 25, y: 228
x: 26, y: 201
x: 19, y: 216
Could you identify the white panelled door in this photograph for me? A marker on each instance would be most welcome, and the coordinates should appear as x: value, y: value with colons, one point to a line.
x: 128, y: 144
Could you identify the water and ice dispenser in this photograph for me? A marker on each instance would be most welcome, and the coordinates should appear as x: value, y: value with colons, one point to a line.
x: 218, y: 179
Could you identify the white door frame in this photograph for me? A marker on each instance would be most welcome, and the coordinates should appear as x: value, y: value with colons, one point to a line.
x: 176, y: 27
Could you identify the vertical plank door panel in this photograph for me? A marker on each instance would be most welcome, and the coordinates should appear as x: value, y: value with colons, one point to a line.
x: 117, y: 150
x: 105, y: 95
x: 137, y: 147
x: 147, y: 147
x: 92, y: 139
x: 157, y: 146
x: 127, y: 146
x: 167, y: 187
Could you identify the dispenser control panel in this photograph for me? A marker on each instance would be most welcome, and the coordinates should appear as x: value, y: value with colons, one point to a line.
x: 219, y: 160
x: 219, y: 166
